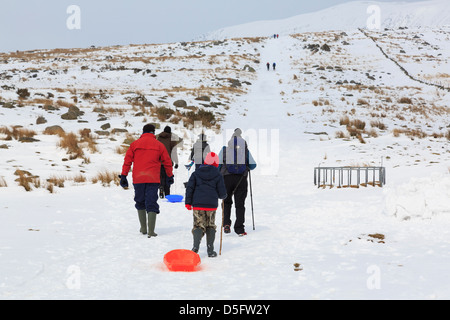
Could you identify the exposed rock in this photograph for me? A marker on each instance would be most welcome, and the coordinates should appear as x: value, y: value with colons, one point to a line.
x: 53, y: 130
x: 118, y: 130
x: 325, y: 47
x: 248, y: 68
x: 105, y: 126
x: 41, y: 120
x: 180, y: 104
x: 72, y: 114
x: 28, y: 139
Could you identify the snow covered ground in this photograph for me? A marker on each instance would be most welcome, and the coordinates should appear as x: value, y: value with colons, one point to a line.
x: 83, y: 242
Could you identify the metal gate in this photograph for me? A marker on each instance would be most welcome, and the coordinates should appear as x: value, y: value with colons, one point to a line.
x: 349, y: 177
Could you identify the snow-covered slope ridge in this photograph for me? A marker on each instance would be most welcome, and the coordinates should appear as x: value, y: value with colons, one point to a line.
x: 346, y: 16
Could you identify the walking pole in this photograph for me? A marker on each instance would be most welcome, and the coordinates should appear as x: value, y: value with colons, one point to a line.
x: 221, y: 231
x: 251, y: 198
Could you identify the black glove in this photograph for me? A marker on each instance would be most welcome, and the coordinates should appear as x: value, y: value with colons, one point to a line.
x: 176, y: 165
x: 123, y: 181
x: 169, y: 180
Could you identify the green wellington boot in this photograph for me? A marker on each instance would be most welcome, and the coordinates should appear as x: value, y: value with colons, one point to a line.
x: 151, y: 224
x: 198, y: 234
x: 142, y: 214
x: 210, y: 236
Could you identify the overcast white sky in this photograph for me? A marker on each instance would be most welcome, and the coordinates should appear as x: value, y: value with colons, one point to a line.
x: 42, y: 24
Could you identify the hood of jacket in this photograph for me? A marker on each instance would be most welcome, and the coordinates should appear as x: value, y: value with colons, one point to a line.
x: 207, y: 172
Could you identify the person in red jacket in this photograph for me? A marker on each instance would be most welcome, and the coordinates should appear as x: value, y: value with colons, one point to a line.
x: 146, y: 154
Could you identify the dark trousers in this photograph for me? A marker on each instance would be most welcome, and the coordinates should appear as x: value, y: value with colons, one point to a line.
x: 146, y: 196
x: 164, y: 184
x: 231, y: 181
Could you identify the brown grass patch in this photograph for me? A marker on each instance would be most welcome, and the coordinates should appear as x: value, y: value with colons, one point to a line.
x: 69, y: 141
x: 378, y: 124
x: 27, y: 180
x: 106, y: 178
x: 17, y: 132
x: 412, y: 133
x: 405, y: 100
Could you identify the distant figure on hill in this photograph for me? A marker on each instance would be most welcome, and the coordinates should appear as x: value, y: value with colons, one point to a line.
x: 268, y: 66
x: 274, y: 65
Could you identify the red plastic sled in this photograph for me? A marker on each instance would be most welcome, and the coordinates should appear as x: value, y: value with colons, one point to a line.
x: 182, y: 260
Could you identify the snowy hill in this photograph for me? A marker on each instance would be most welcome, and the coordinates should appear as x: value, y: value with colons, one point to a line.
x: 354, y: 98
x: 347, y: 16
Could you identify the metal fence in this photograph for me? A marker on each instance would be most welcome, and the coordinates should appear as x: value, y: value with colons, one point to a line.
x: 349, y: 177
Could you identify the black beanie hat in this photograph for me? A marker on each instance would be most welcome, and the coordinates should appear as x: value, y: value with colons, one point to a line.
x: 149, y: 128
x: 167, y: 129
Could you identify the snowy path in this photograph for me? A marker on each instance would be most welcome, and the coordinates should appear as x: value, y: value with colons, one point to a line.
x: 83, y: 242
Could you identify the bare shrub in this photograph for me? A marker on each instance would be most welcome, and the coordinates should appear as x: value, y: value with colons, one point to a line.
x: 3, y: 183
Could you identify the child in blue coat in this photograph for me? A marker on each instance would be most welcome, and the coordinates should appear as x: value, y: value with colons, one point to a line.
x: 203, y: 191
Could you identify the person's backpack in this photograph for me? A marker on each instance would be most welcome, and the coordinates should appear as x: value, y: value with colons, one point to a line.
x: 235, y: 156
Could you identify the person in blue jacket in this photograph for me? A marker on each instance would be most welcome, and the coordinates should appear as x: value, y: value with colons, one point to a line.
x: 235, y: 163
x: 203, y: 191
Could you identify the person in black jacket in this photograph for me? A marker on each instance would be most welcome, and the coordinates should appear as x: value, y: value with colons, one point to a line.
x: 204, y: 188
x: 235, y: 163
x: 199, y: 151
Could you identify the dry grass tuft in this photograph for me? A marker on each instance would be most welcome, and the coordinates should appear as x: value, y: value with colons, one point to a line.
x: 378, y: 124
x: 69, y: 141
x: 106, y: 178
x: 16, y: 132
x: 405, y: 100
x: 27, y: 180
x: 3, y: 183
x: 412, y: 133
